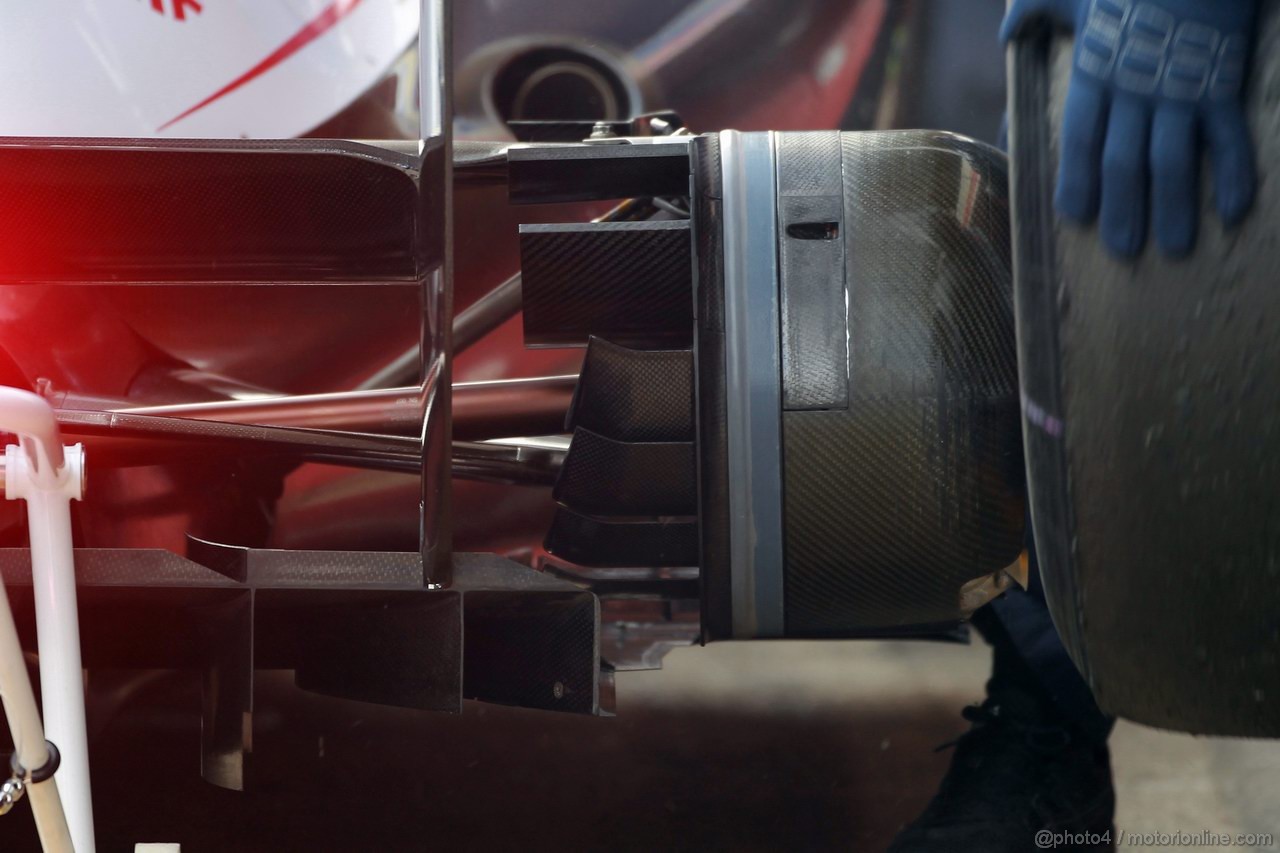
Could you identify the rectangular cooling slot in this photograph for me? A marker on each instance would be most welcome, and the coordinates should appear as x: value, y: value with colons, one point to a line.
x: 814, y: 230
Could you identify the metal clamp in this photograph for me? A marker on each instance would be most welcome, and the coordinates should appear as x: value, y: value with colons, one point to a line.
x: 13, y: 788
x: 42, y: 773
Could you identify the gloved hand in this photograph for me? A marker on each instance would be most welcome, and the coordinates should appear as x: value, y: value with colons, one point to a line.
x: 1151, y: 79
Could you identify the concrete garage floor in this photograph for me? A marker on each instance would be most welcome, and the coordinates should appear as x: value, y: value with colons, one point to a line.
x: 1165, y: 782
x: 738, y: 747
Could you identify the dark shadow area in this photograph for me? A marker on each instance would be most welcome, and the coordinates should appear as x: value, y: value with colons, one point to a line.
x: 328, y: 774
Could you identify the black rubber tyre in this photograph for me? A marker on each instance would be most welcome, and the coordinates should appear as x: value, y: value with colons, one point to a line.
x: 1151, y: 401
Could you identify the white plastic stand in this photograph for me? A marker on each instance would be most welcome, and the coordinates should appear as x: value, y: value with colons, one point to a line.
x: 48, y: 477
x: 28, y: 735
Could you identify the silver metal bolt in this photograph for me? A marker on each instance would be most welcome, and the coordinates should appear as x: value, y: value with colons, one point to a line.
x: 10, y: 792
x: 602, y: 130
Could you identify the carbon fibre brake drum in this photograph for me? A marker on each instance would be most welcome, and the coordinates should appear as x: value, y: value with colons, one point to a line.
x: 860, y: 460
x: 1152, y: 400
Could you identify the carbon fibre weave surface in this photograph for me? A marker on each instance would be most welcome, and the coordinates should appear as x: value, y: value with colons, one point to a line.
x: 622, y: 542
x: 533, y: 652
x: 629, y: 282
x: 887, y: 517
x: 809, y: 163
x: 357, y: 625
x: 548, y: 174
x: 118, y: 567
x: 167, y: 211
x: 893, y: 505
x: 815, y: 356
x: 634, y: 395
x: 601, y: 476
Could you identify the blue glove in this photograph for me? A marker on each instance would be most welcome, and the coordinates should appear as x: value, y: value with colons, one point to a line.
x: 1151, y: 78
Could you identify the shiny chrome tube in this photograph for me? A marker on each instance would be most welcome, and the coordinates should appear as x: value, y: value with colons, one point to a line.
x: 123, y: 439
x: 481, y: 410
x: 517, y: 461
x: 123, y: 431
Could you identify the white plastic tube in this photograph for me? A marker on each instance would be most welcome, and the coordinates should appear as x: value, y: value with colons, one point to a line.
x: 28, y: 735
x: 48, y: 479
x: 31, y: 417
